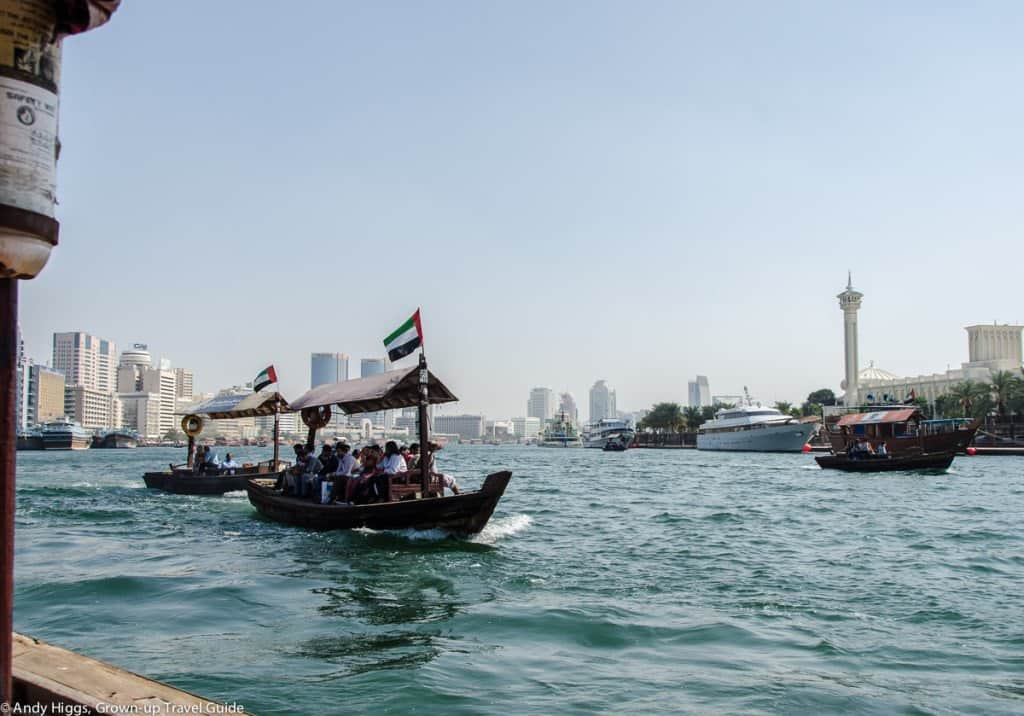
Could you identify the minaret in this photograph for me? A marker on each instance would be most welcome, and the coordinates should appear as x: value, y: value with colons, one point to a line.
x: 849, y: 301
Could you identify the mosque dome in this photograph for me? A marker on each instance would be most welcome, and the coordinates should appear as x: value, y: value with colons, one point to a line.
x: 873, y: 374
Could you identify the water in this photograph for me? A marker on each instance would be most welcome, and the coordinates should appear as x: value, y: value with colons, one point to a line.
x: 640, y: 582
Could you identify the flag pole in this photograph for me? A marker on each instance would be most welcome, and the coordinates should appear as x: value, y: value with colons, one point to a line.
x: 426, y: 458
x: 277, y: 435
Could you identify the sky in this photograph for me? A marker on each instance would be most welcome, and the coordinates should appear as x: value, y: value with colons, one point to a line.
x: 574, y: 191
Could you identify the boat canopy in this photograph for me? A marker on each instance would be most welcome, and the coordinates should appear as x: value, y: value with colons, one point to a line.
x: 248, y: 405
x: 880, y: 416
x: 384, y: 391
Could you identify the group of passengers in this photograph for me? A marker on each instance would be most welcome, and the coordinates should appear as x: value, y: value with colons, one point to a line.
x: 206, y: 462
x: 861, y: 448
x: 340, y: 474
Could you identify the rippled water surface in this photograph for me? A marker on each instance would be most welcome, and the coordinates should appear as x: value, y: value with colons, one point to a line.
x: 639, y: 582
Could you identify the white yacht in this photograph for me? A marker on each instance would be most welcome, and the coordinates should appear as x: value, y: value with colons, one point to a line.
x: 609, y: 431
x: 754, y: 428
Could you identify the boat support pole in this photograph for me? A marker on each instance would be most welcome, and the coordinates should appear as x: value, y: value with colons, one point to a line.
x: 426, y: 457
x: 277, y: 438
x: 8, y: 381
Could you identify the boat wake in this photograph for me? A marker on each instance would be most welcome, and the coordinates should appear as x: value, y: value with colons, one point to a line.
x: 501, y: 528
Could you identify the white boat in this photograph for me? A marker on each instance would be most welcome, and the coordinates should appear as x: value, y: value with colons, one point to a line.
x: 560, y: 432
x: 63, y: 434
x: 754, y: 428
x: 610, y: 431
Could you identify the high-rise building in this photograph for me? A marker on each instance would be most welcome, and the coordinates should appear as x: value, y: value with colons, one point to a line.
x: 162, y: 382
x: 375, y: 366
x: 467, y: 427
x: 141, y: 413
x: 325, y: 368
x: 699, y: 392
x: 183, y: 383
x: 567, y: 407
x: 86, y: 360
x: 21, y: 368
x: 45, y: 400
x: 92, y: 408
x: 602, y: 402
x: 541, y: 404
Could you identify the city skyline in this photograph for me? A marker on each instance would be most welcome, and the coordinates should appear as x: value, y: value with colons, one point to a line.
x: 838, y: 148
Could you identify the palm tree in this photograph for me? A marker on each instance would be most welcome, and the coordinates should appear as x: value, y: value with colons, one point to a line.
x: 1005, y: 385
x: 783, y: 407
x: 974, y: 398
x: 693, y: 416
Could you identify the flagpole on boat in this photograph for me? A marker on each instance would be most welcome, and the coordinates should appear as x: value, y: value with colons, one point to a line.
x: 426, y: 458
x: 277, y: 434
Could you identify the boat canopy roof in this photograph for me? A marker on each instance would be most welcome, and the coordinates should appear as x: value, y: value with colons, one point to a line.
x: 880, y: 416
x: 247, y: 405
x: 384, y: 391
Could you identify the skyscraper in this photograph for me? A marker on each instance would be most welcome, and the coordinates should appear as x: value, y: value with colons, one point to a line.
x: 327, y: 368
x: 183, y: 383
x: 86, y: 360
x: 602, y: 402
x: 375, y: 366
x: 567, y: 405
x: 541, y: 404
x: 699, y: 392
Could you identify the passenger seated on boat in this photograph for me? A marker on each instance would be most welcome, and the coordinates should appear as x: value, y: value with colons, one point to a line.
x: 882, y: 450
x: 328, y: 466
x: 229, y: 466
x: 210, y: 462
x: 414, y: 456
x: 311, y: 469
x: 347, y: 466
x: 372, y: 483
x: 393, y: 462
x: 449, y: 482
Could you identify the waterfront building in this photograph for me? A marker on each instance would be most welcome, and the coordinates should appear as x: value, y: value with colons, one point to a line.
x: 528, y: 427
x: 567, y: 406
x: 849, y: 302
x: 602, y: 402
x: 21, y: 367
x: 45, y: 399
x: 990, y: 348
x: 467, y: 427
x: 141, y: 413
x: 86, y: 360
x: 699, y: 392
x: 92, y: 409
x: 499, y: 429
x: 325, y: 368
x: 184, y: 381
x: 162, y: 382
x: 541, y: 404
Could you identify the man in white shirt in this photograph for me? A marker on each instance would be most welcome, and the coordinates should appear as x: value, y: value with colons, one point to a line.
x: 229, y: 466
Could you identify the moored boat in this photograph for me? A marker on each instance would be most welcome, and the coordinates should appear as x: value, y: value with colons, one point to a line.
x: 29, y: 440
x: 560, y: 432
x: 887, y: 463
x: 116, y: 439
x: 415, y: 500
x: 754, y: 428
x: 64, y: 434
x: 610, y: 434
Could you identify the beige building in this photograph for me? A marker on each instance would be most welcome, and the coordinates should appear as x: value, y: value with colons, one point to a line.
x: 86, y: 360
x: 990, y: 348
x: 162, y: 382
x: 183, y: 380
x: 142, y: 413
x: 92, y: 409
x: 45, y: 395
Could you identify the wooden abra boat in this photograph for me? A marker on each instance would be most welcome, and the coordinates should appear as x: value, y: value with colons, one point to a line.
x: 417, y: 504
x: 467, y: 512
x: 183, y: 479
x: 887, y: 463
x: 902, y: 428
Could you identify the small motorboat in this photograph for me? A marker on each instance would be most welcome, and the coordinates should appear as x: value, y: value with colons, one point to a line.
x: 887, y: 463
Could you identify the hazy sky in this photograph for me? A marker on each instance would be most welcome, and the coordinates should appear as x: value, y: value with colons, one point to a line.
x: 638, y: 192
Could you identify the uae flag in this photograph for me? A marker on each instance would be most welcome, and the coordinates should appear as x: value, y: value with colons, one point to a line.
x: 405, y: 339
x: 265, y: 378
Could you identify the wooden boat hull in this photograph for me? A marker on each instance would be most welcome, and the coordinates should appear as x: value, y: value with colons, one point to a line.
x: 467, y: 512
x: 183, y: 482
x: 930, y: 461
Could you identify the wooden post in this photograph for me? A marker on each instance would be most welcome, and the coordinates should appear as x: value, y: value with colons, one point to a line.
x: 191, y: 451
x: 277, y: 436
x: 426, y: 456
x: 8, y: 437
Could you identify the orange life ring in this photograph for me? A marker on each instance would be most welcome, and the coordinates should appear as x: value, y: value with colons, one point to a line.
x: 192, y: 425
x: 317, y: 417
